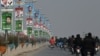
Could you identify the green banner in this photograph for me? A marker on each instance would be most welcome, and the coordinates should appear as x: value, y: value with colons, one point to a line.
x: 46, y: 34
x: 40, y: 32
x: 43, y: 33
x: 6, y: 20
x: 29, y: 30
x: 18, y: 25
x: 36, y: 33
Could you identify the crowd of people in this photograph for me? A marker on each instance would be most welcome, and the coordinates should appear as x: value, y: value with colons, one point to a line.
x: 87, y: 44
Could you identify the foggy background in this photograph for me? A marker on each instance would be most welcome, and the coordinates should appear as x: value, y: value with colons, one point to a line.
x: 69, y: 17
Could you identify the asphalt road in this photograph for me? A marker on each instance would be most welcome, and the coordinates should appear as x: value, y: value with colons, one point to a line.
x: 46, y: 51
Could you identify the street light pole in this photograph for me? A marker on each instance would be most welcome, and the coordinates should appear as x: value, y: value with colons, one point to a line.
x: 6, y: 34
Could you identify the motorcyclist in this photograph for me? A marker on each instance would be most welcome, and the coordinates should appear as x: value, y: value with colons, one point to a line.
x: 56, y: 41
x: 52, y: 41
x: 71, y: 44
x: 88, y: 45
x: 61, y: 42
x: 97, y: 40
x: 97, y: 44
x: 64, y: 43
x: 77, y: 42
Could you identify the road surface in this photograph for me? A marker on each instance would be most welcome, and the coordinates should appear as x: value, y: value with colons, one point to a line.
x: 46, y: 51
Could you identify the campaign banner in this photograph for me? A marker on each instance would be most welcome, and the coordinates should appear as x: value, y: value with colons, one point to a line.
x: 40, y: 33
x: 18, y: 12
x: 6, y: 3
x: 29, y: 21
x: 36, y: 33
x: 29, y: 9
x: 36, y: 14
x: 19, y: 25
x: 29, y: 30
x: 44, y: 33
x: 6, y: 20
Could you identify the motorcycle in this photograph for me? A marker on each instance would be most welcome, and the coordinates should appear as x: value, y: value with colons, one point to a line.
x: 65, y: 46
x: 96, y: 49
x: 60, y: 44
x: 72, y: 50
x: 51, y: 46
x: 88, y: 53
x: 78, y: 51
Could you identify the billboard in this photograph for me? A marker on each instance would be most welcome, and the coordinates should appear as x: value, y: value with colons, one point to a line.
x: 6, y: 3
x: 29, y: 21
x: 40, y: 33
x: 36, y: 33
x: 29, y: 9
x: 6, y: 20
x: 36, y: 14
x: 29, y: 30
x: 18, y: 12
x: 19, y: 25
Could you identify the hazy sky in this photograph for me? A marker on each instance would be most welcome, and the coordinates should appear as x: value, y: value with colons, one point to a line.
x: 69, y: 17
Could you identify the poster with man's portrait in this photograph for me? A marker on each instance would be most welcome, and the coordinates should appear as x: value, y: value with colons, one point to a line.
x: 18, y: 12
x: 29, y: 8
x: 29, y: 21
x: 37, y: 14
x: 6, y: 3
x: 36, y: 33
x: 6, y: 20
x: 18, y: 25
x: 40, y: 32
x: 29, y: 30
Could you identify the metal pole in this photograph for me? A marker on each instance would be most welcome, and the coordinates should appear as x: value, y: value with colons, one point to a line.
x: 6, y: 34
x: 29, y: 38
x: 18, y: 36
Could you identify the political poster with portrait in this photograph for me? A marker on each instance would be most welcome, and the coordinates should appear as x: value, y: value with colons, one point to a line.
x: 18, y: 12
x: 36, y: 14
x: 29, y: 30
x: 36, y: 33
x: 29, y: 9
x: 19, y: 25
x: 44, y: 33
x: 6, y: 20
x: 40, y: 33
x: 19, y: 2
x: 29, y: 21
x: 6, y: 3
